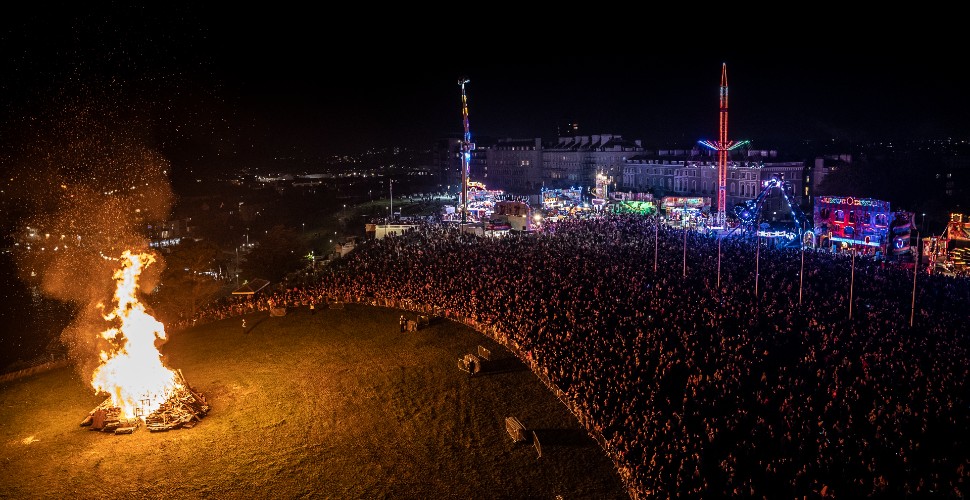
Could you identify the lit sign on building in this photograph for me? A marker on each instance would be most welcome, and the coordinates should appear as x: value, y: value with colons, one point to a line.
x: 777, y: 234
x: 680, y: 202
x: 848, y: 200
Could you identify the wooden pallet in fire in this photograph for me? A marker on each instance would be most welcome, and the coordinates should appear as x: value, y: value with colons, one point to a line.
x: 182, y: 410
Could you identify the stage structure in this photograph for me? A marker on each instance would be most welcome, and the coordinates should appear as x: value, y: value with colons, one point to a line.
x: 722, y: 146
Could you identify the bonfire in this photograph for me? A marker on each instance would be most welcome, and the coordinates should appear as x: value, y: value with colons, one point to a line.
x: 140, y: 388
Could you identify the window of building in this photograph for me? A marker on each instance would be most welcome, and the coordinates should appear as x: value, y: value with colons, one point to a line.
x: 852, y: 218
x: 840, y: 216
x: 881, y: 219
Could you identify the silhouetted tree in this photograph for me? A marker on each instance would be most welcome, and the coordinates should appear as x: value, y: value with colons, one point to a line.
x: 279, y: 252
x: 185, y: 284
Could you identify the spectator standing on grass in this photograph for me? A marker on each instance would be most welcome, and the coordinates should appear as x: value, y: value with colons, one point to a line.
x: 403, y: 322
x: 313, y: 309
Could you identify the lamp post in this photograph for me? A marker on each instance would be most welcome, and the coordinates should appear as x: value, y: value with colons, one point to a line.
x: 719, y: 238
x: 801, y: 273
x: 683, y: 221
x: 757, y: 262
x: 390, y: 186
x: 237, y: 267
x: 852, y: 283
x: 912, y: 305
x: 685, y: 246
x: 656, y: 232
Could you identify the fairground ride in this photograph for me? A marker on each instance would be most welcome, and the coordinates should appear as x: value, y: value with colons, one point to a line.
x: 784, y: 233
x: 466, y: 151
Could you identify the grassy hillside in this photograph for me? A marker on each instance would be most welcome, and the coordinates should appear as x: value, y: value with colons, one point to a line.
x: 339, y: 404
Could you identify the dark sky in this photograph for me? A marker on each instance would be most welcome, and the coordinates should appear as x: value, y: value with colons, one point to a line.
x: 273, y: 81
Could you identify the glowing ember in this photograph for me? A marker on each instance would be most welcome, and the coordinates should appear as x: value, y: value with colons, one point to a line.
x: 132, y: 372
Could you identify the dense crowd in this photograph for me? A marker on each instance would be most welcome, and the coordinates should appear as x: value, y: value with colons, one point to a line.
x: 699, y: 391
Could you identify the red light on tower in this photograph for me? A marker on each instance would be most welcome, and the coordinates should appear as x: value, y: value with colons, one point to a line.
x: 722, y: 146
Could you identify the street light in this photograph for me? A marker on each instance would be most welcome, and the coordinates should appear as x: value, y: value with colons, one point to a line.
x: 852, y: 283
x: 757, y: 262
x: 684, y: 221
x: 912, y: 305
x: 801, y: 273
x: 719, y: 238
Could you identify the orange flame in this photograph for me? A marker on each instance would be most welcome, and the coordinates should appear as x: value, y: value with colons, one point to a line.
x: 132, y: 371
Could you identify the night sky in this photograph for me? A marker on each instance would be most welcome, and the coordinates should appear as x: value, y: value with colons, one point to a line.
x: 206, y: 81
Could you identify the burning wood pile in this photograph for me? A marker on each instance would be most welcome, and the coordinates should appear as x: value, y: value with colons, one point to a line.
x: 184, y: 408
x: 108, y: 418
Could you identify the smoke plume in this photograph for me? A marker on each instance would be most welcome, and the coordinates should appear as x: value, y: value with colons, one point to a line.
x: 90, y: 188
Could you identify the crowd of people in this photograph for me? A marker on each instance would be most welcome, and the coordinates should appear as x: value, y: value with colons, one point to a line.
x: 698, y: 390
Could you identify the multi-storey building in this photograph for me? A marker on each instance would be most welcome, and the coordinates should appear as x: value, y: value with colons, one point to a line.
x: 575, y: 161
x: 691, y: 173
x: 446, y: 160
x: 514, y: 165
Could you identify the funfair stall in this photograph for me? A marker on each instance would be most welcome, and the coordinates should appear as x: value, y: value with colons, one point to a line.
x: 950, y: 253
x: 845, y: 222
x: 693, y: 209
x: 514, y: 215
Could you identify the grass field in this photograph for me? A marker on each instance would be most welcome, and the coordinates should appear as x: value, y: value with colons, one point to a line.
x: 333, y: 405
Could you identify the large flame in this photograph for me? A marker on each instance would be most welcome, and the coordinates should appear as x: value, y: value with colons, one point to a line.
x: 131, y: 369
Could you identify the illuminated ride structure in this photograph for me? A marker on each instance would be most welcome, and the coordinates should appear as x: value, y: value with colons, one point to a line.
x: 466, y: 148
x: 865, y: 225
x: 723, y: 146
x: 950, y: 253
x: 785, y: 233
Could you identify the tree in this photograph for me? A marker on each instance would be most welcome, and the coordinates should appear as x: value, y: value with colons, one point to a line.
x: 279, y: 252
x: 186, y: 282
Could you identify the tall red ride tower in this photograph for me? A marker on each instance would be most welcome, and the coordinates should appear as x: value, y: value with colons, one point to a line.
x: 722, y: 146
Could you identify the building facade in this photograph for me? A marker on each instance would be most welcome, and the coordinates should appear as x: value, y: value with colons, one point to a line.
x: 446, y: 161
x: 515, y: 165
x: 575, y: 161
x: 691, y: 173
x: 525, y: 166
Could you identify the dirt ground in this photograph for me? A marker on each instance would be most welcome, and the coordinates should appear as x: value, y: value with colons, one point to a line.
x: 338, y: 404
